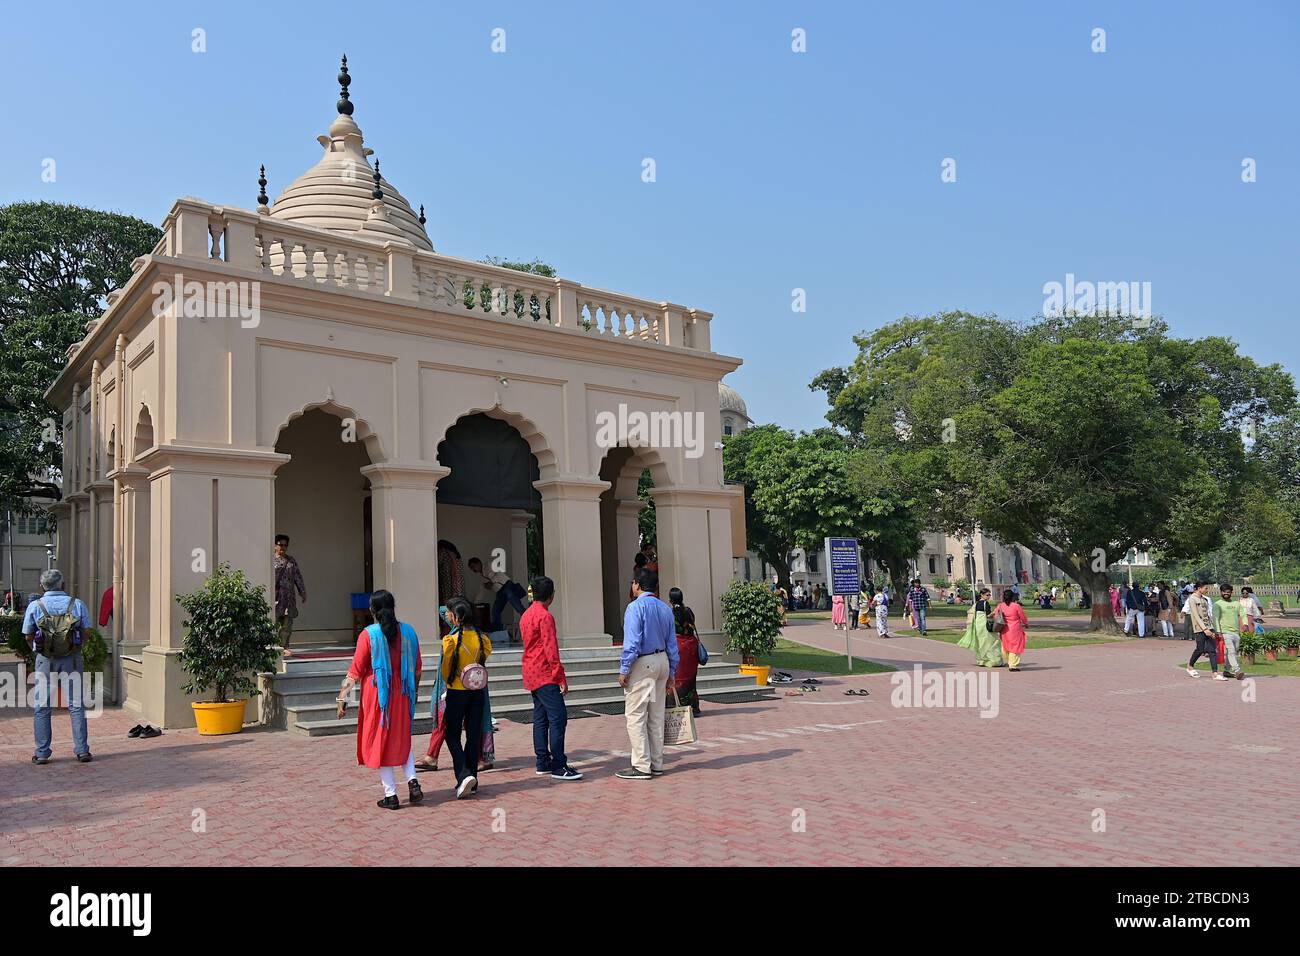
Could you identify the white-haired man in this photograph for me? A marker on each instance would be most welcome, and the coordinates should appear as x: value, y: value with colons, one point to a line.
x: 56, y: 624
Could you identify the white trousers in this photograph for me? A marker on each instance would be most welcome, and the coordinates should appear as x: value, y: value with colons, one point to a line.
x: 386, y: 776
x: 1141, y: 618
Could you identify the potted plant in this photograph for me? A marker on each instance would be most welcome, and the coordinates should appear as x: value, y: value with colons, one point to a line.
x: 1290, y: 637
x: 1248, y: 647
x: 229, y: 636
x: 1270, y: 644
x: 751, y: 620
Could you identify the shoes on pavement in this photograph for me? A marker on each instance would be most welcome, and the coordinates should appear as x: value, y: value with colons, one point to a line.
x: 424, y: 763
x: 632, y: 773
x: 466, y: 787
x: 135, y: 731
x: 414, y: 790
x: 40, y: 760
x: 566, y: 773
x: 1193, y: 672
x: 656, y: 773
x: 388, y: 803
x: 150, y: 732
x: 543, y: 771
x: 87, y: 757
x: 1219, y: 677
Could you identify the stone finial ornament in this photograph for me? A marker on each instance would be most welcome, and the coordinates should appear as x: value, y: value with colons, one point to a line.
x: 377, y: 192
x: 263, y: 203
x: 422, y: 219
x: 345, y: 103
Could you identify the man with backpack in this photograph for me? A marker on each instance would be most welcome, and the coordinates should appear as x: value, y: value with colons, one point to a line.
x: 56, y: 624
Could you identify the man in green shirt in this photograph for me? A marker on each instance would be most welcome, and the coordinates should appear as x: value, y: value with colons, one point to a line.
x: 1229, y: 619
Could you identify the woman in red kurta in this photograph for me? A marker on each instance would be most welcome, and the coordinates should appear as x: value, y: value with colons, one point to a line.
x: 1013, y: 637
x: 387, y: 666
x: 688, y: 651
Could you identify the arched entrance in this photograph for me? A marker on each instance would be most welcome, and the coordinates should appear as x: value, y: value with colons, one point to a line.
x: 488, y: 508
x: 322, y: 502
x: 627, y: 520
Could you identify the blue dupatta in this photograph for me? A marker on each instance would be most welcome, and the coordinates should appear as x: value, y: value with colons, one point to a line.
x: 382, y: 667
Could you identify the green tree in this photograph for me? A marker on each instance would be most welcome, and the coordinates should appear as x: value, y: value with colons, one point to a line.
x: 800, y: 489
x: 1079, y: 437
x: 57, y: 264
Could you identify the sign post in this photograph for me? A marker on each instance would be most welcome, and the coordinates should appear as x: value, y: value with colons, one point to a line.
x: 845, y: 572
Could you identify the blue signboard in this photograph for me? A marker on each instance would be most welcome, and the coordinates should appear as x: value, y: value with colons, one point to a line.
x: 842, y: 567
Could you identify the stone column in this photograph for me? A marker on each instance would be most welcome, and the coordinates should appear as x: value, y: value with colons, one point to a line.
x: 135, y: 601
x: 694, y: 545
x: 207, y: 505
x: 571, y: 525
x: 404, y: 522
x: 517, y: 559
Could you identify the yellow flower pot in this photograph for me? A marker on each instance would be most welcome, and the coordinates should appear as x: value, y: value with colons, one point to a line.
x: 758, y: 671
x: 214, y: 718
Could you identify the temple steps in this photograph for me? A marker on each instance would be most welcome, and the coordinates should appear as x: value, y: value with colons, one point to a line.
x: 301, y: 697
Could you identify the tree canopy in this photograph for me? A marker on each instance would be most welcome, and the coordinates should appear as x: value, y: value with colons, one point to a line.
x: 1079, y: 437
x: 57, y: 264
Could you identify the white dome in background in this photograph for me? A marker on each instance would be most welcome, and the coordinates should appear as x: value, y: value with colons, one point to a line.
x: 729, y: 400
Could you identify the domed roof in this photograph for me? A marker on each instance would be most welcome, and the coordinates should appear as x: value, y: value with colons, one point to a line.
x: 729, y: 400
x: 338, y: 192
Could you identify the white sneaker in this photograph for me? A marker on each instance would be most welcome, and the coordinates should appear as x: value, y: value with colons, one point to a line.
x: 466, y: 787
x: 1193, y: 672
x: 1219, y: 677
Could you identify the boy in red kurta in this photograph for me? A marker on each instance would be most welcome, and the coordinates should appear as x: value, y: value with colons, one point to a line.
x: 544, y: 678
x: 387, y: 666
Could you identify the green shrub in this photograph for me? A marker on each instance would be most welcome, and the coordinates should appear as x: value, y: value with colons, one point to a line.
x: 11, y: 629
x: 1250, y: 644
x: 228, y: 636
x: 751, y: 619
x: 1288, y: 636
x: 94, y: 652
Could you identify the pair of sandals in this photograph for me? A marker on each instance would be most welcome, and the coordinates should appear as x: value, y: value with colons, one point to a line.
x: 144, y: 731
x: 857, y: 693
x: 803, y: 689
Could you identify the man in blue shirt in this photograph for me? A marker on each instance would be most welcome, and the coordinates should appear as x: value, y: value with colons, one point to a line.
x: 649, y: 662
x: 67, y: 670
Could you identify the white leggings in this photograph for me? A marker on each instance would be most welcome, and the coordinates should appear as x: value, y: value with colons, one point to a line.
x: 386, y: 776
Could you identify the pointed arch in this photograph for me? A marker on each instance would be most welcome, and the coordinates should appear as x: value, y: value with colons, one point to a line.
x: 366, y: 434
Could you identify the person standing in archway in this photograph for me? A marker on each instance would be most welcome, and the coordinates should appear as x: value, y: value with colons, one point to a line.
x: 288, y: 587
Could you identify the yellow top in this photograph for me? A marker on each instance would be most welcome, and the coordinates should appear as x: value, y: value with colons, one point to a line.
x: 470, y: 639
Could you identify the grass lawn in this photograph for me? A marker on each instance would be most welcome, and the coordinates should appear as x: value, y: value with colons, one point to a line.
x: 809, y: 615
x: 791, y: 656
x: 1032, y: 610
x: 1282, y: 667
x: 1036, y: 638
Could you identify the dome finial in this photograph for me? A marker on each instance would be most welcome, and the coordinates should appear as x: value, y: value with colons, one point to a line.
x: 344, y: 104
x: 262, y: 199
x: 377, y: 192
x: 422, y: 219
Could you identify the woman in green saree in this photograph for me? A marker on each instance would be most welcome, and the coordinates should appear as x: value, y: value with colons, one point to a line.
x: 978, y: 638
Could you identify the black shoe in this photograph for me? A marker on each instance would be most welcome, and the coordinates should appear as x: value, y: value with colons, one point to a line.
x: 544, y: 771
x: 388, y: 803
x: 632, y: 773
x: 87, y: 757
x: 656, y: 773
x: 1013, y: 669
x: 413, y: 789
x: 566, y: 773
x: 150, y: 732
x: 135, y: 731
x: 40, y: 760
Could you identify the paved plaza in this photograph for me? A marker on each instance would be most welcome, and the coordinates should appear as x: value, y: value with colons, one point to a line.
x: 1185, y: 771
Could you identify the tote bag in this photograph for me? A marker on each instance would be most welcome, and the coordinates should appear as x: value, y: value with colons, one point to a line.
x: 679, y: 723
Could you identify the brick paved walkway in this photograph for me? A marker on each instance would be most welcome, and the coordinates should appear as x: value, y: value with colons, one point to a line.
x: 1186, y: 772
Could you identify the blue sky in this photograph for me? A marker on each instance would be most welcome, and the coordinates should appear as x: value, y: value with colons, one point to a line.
x: 775, y: 170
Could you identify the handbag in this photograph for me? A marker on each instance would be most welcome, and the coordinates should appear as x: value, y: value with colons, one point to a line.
x: 701, y: 652
x: 679, y: 723
x: 999, y: 622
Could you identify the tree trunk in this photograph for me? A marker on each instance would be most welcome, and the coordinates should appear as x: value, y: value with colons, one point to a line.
x: 1096, y: 583
x: 1103, y: 615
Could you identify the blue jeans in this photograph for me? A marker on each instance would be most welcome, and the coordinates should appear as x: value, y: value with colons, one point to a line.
x: 920, y: 619
x: 549, y: 721
x: 46, y: 687
x: 507, y: 592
